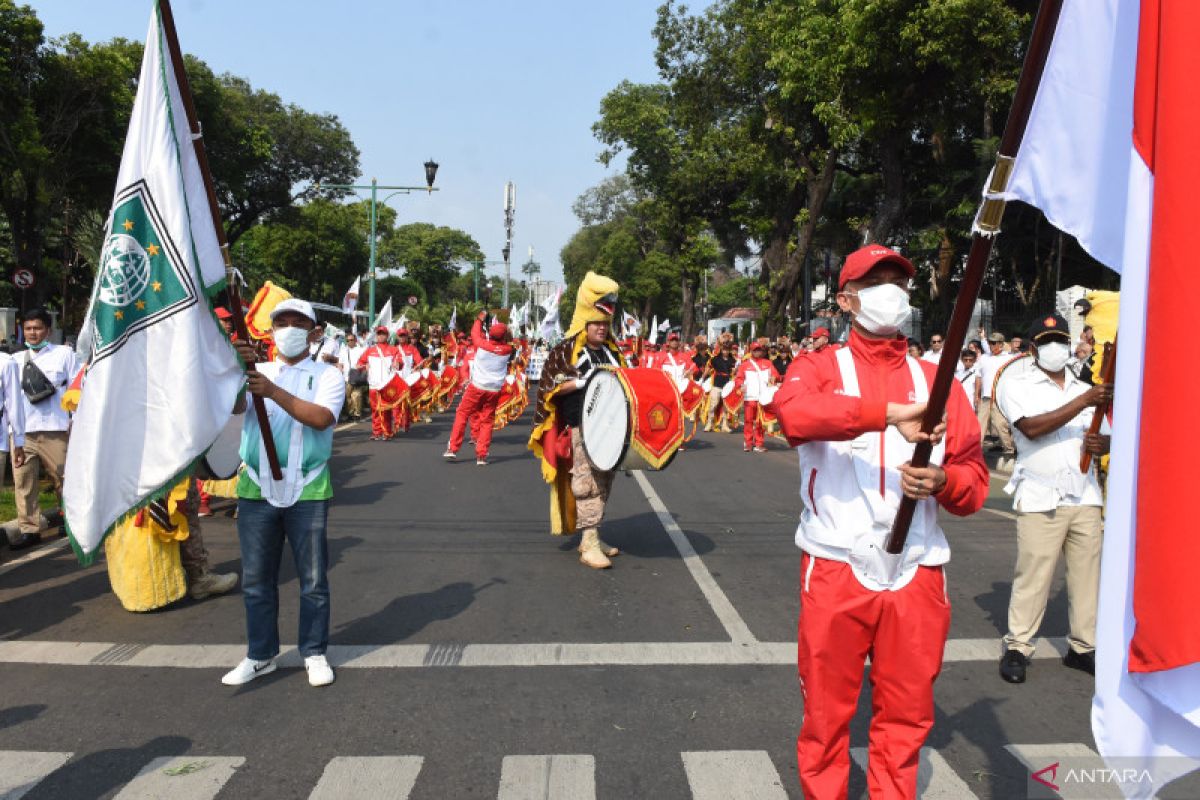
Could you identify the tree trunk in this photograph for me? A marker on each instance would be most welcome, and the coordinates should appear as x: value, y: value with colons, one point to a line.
x: 785, y: 288
x: 890, y: 208
x: 687, y: 307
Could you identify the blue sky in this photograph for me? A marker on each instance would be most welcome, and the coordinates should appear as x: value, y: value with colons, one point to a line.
x: 492, y: 91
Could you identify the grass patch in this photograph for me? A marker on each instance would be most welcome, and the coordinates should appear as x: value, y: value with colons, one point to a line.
x: 8, y: 503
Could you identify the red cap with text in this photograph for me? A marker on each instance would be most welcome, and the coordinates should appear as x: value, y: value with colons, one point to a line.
x: 865, y: 259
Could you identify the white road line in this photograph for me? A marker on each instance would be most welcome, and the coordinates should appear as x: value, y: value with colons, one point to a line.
x: 182, y: 778
x: 936, y: 779
x: 21, y: 770
x: 1042, y: 758
x: 422, y: 656
x: 384, y: 777
x: 547, y: 778
x: 735, y: 626
x: 999, y: 513
x: 732, y: 775
x: 41, y: 552
x: 346, y: 425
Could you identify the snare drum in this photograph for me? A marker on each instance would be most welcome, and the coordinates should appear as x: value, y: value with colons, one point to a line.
x: 632, y: 419
x: 223, y: 459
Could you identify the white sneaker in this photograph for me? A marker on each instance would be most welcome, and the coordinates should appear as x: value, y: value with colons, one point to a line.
x: 319, y: 671
x: 450, y: 455
x: 247, y: 671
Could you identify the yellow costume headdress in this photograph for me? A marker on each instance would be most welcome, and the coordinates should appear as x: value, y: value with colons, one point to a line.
x: 596, y: 301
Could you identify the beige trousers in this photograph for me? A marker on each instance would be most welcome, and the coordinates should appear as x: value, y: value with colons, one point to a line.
x: 716, y: 409
x: 989, y: 415
x: 43, y: 449
x: 589, y: 485
x: 1076, y: 532
x: 356, y: 395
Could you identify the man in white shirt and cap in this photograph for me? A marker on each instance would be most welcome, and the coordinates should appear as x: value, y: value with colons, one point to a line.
x: 1057, y: 505
x: 989, y: 364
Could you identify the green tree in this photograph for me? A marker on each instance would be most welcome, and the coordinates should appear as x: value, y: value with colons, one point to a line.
x: 431, y: 255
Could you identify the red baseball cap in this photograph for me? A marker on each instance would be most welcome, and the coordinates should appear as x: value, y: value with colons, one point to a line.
x: 865, y: 259
x: 381, y: 329
x: 673, y: 337
x: 498, y: 330
x: 223, y: 313
x: 821, y: 332
x: 758, y: 344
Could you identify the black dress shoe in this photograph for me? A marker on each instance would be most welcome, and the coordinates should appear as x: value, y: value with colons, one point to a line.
x: 1084, y: 662
x: 24, y: 541
x: 1012, y: 666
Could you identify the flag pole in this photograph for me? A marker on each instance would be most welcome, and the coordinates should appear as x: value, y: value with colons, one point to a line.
x: 983, y: 233
x: 239, y: 319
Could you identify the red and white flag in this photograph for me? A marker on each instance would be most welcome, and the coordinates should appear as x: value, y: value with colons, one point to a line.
x: 1110, y: 157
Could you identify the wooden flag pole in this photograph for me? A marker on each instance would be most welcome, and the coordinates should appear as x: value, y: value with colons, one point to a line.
x: 985, y: 229
x: 239, y: 320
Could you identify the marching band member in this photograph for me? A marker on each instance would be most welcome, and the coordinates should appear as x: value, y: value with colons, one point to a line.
x: 855, y: 417
x: 556, y: 439
x: 753, y: 376
x: 478, y: 404
x: 721, y: 367
x: 672, y: 361
x: 379, y: 361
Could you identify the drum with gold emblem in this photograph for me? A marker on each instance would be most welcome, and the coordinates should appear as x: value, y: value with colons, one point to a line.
x: 632, y: 419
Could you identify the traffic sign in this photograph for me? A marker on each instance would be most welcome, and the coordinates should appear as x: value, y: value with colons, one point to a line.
x: 412, y: 299
x: 23, y: 279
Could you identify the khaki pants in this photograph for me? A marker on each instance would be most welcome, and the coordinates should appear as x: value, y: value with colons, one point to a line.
x: 716, y: 410
x: 46, y: 449
x: 1076, y: 532
x: 989, y: 415
x: 357, y: 396
x: 590, y: 486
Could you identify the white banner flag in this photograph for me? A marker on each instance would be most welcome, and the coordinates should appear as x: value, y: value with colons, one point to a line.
x: 162, y: 376
x: 383, y: 319
x: 350, y: 301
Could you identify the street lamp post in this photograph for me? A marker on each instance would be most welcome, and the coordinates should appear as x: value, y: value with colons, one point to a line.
x: 431, y: 168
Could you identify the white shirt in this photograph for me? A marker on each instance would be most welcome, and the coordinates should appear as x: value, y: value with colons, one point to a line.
x: 349, y: 357
x: 1047, y: 474
x: 988, y: 365
x: 968, y: 378
x: 13, y: 420
x: 59, y: 365
x: 932, y: 357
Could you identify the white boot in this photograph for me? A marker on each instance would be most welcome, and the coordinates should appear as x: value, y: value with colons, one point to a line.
x: 590, y: 554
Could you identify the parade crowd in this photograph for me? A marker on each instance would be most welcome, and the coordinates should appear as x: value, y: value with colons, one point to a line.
x: 852, y: 408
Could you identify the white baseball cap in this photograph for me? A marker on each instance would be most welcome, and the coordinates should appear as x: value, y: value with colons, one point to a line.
x: 297, y: 305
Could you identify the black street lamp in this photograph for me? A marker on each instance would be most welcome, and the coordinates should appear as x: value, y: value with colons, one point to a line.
x: 431, y: 168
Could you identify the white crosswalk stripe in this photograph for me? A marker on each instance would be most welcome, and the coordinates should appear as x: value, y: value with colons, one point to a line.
x: 557, y: 777
x: 936, y: 779
x: 181, y: 778
x: 1043, y: 758
x: 21, y: 770
x: 383, y: 777
x: 733, y: 775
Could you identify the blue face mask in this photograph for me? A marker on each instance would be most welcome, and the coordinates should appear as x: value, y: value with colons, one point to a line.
x: 37, y: 346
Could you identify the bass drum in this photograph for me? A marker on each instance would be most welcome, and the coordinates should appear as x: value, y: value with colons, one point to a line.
x: 1010, y: 375
x: 632, y: 419
x: 223, y: 459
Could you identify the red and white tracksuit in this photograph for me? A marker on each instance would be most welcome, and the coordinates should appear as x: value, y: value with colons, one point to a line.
x: 753, y: 375
x: 489, y: 368
x: 834, y: 411
x: 379, y: 360
x: 408, y: 359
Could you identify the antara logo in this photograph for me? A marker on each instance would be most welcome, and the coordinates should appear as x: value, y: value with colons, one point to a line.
x: 1045, y: 779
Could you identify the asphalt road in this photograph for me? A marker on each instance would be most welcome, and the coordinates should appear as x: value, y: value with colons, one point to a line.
x: 477, y: 658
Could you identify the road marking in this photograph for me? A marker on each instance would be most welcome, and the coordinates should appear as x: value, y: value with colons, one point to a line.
x: 735, y: 626
x: 386, y: 777
x: 547, y: 778
x: 733, y: 775
x: 999, y: 513
x: 41, y: 552
x: 21, y: 770
x: 182, y: 778
x: 936, y: 779
x: 346, y: 425
x: 434, y: 656
x: 1039, y: 757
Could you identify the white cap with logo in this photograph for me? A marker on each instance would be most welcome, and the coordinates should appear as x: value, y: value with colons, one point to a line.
x: 295, y: 305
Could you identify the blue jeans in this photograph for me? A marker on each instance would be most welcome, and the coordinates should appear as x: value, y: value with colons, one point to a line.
x: 262, y: 529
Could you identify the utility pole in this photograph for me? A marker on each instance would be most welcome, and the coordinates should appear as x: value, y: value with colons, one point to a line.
x: 510, y: 207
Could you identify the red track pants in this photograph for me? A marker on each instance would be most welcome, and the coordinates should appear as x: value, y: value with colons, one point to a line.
x: 753, y: 426
x: 904, y: 633
x: 478, y: 407
x: 383, y: 423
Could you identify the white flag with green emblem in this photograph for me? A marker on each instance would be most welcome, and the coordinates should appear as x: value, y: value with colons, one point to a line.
x: 162, y: 376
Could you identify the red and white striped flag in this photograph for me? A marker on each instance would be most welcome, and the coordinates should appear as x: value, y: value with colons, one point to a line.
x: 1110, y: 157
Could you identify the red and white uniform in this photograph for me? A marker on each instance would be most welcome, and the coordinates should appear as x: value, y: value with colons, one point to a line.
x: 677, y: 365
x: 379, y: 361
x: 834, y: 411
x: 753, y: 376
x: 489, y: 367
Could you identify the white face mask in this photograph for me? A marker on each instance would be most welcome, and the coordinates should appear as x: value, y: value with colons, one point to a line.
x: 1053, y: 356
x: 291, y: 342
x: 883, y: 309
